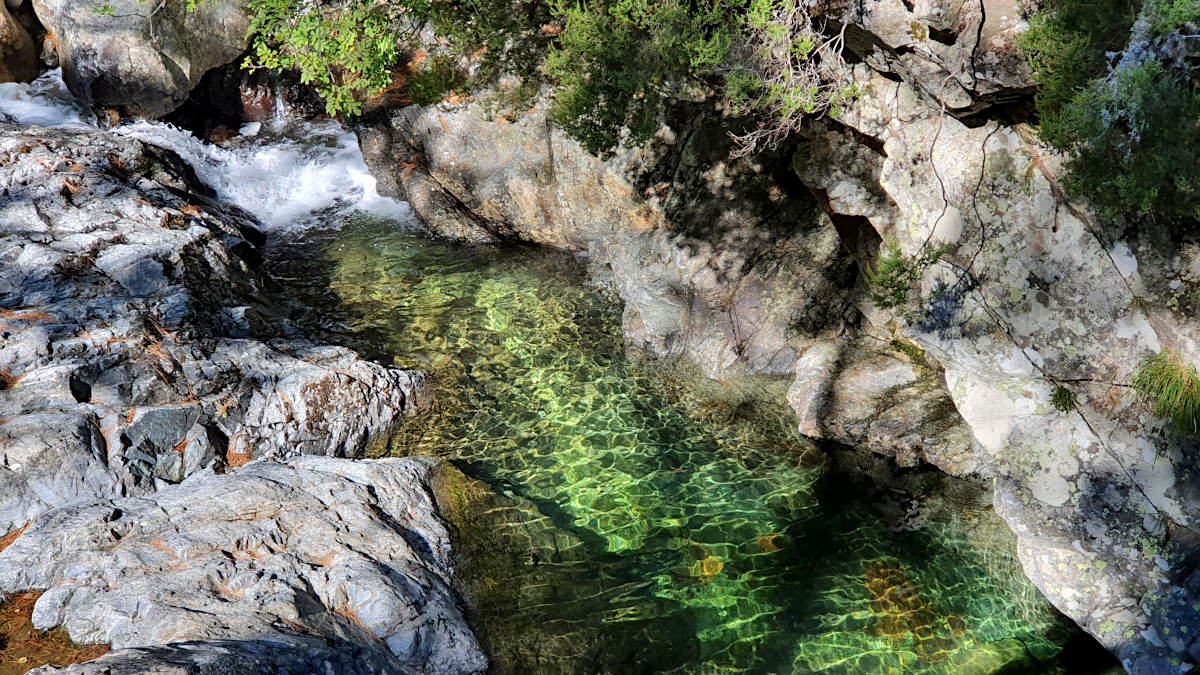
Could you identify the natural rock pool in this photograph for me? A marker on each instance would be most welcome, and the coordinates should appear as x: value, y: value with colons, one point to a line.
x: 614, y: 516
x: 619, y: 518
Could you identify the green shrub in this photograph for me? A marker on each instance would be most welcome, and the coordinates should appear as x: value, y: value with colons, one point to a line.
x: 430, y: 83
x: 1063, y: 399
x: 1128, y: 117
x: 1136, y: 135
x: 1067, y: 46
x: 617, y: 63
x: 1171, y: 388
x: 892, y: 281
x: 346, y: 50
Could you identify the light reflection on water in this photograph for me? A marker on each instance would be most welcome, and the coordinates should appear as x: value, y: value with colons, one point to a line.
x: 639, y: 520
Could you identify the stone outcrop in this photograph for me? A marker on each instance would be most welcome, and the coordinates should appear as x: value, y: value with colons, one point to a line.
x: 312, y: 565
x: 143, y: 58
x: 136, y: 344
x: 18, y: 55
x: 1037, y: 292
x: 961, y: 54
x: 888, y: 401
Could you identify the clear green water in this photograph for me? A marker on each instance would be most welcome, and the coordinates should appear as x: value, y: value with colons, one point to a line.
x: 640, y: 520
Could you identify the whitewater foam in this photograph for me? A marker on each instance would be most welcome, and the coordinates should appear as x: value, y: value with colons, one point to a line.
x: 45, y: 102
x: 289, y: 173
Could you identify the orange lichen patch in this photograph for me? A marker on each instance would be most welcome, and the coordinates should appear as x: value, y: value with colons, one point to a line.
x: 392, y: 96
x: 9, y: 538
x: 905, y: 619
x: 8, y: 380
x: 706, y: 570
x: 162, y: 546
x: 349, y: 615
x: 230, y: 594
x: 23, y: 648
x: 239, y: 453
x: 417, y: 59
x: 769, y: 543
x: 25, y: 315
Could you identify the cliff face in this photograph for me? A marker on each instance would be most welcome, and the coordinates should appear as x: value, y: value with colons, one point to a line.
x: 732, y: 264
x: 1037, y: 292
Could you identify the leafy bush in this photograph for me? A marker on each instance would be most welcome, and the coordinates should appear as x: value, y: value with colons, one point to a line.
x: 892, y: 281
x: 428, y: 85
x: 1136, y: 135
x: 616, y: 63
x: 784, y: 68
x: 346, y: 50
x: 1171, y: 388
x: 1118, y: 103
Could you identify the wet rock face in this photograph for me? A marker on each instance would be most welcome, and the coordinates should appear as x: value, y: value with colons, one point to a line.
x: 136, y: 345
x: 1038, y: 292
x: 296, y: 564
x: 142, y: 57
x: 18, y: 55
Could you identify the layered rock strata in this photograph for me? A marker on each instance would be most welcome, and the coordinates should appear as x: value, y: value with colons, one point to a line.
x: 312, y: 565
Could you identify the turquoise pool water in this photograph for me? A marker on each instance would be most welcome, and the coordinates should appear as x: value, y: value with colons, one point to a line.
x: 623, y: 518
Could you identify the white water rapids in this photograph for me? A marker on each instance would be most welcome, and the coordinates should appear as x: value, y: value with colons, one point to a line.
x: 288, y: 173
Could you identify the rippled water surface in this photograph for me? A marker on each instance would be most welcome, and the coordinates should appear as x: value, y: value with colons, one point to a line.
x: 639, y: 520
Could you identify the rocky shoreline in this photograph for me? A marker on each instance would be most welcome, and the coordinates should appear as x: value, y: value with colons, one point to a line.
x: 144, y: 364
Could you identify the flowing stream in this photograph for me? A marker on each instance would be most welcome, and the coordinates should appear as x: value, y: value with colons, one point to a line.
x: 614, y: 516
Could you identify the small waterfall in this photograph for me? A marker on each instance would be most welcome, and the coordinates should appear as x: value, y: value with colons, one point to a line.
x: 45, y: 102
x: 289, y: 173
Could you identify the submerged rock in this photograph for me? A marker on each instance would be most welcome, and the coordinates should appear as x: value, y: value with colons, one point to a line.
x: 142, y: 57
x: 300, y: 565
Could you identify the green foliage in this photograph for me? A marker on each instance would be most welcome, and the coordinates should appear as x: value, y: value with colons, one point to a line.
x: 1067, y: 45
x: 345, y: 50
x: 430, y: 83
x: 1165, y: 16
x: 1126, y: 115
x: 910, y: 350
x: 1136, y: 135
x: 784, y: 69
x: 501, y: 36
x: 109, y: 10
x: 1063, y: 399
x: 892, y: 281
x: 1171, y: 388
x: 616, y: 62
